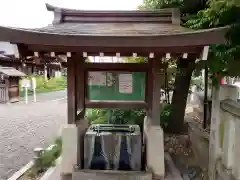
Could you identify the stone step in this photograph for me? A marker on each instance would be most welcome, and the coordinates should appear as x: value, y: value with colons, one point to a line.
x: 110, y: 175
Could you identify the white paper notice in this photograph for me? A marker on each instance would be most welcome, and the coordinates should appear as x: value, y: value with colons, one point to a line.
x: 125, y: 83
x: 97, y: 78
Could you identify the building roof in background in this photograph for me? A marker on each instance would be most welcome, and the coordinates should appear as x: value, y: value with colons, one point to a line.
x: 6, y: 49
x: 10, y: 71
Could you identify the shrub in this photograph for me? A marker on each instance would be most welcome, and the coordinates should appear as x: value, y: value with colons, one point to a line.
x: 125, y: 116
x: 46, y: 159
x: 97, y: 116
x: 54, y: 84
x: 115, y: 116
x: 165, y: 115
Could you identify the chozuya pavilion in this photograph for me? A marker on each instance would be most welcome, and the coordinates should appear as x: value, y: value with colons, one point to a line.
x: 79, y: 34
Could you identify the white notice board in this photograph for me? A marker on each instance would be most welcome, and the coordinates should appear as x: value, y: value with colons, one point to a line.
x: 97, y: 78
x: 125, y: 83
x: 25, y: 83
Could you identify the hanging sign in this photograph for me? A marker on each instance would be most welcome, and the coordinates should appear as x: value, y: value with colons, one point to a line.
x: 125, y: 83
x: 97, y: 78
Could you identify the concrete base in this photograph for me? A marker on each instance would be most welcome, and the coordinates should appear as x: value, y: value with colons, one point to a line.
x: 153, y: 140
x: 72, y: 147
x: 69, y: 148
x: 222, y: 173
x: 72, y: 155
x: 110, y: 175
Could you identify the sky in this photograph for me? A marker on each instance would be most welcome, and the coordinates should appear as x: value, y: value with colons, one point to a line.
x: 33, y: 13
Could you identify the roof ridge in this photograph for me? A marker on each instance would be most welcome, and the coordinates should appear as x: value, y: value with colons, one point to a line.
x: 50, y: 7
x: 61, y: 15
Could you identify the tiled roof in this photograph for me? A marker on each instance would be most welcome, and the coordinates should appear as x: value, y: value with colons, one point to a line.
x: 112, y: 29
x: 113, y: 23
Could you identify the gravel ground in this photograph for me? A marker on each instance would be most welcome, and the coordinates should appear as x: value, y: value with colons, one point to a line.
x: 24, y: 127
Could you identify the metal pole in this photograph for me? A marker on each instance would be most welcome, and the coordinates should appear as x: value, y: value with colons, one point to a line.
x: 205, y: 111
x: 26, y: 95
x: 34, y: 95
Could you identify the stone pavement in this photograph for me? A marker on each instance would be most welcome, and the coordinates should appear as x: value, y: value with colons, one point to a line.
x: 26, y: 126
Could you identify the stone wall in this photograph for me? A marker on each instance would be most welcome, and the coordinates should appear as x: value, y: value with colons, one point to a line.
x: 199, y: 143
x: 224, y: 148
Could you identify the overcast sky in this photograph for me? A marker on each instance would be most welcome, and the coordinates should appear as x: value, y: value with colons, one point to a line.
x: 33, y: 13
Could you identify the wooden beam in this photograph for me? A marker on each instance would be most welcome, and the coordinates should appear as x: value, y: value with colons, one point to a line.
x: 24, y: 51
x: 71, y: 91
x: 129, y: 67
x: 98, y: 19
x: 111, y: 51
x: 116, y: 104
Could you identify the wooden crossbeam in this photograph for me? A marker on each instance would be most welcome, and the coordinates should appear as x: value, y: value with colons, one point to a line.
x: 116, y: 104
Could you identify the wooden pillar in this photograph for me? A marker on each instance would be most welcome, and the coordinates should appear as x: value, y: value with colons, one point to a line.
x: 24, y: 67
x: 156, y: 78
x: 80, y: 78
x: 149, y: 87
x: 71, y: 89
x: 205, y: 108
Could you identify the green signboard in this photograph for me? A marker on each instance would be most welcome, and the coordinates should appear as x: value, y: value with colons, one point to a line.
x: 116, y: 86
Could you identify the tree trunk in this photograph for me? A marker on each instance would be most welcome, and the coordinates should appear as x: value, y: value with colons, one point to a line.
x: 180, y: 94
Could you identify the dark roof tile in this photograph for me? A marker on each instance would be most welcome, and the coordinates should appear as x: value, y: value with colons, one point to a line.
x: 113, y: 29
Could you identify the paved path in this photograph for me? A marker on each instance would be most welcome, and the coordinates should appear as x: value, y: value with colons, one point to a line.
x: 26, y: 126
x: 47, y: 96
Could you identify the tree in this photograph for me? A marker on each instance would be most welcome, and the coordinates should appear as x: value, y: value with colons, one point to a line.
x: 223, y: 59
x: 199, y: 14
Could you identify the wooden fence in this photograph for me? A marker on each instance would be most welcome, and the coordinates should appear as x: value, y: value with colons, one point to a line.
x: 3, y: 93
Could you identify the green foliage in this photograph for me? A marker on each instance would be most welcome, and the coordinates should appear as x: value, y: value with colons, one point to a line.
x: 47, y: 159
x: 43, y: 86
x: 115, y: 116
x: 217, y: 14
x: 125, y: 116
x: 223, y: 59
x: 165, y: 115
x: 128, y: 116
x: 97, y: 116
x: 159, y: 4
x: 135, y: 60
